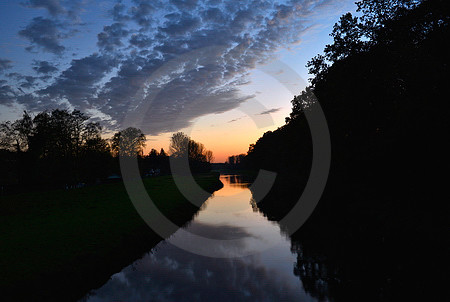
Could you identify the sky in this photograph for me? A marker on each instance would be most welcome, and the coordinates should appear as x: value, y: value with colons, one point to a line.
x: 214, y: 69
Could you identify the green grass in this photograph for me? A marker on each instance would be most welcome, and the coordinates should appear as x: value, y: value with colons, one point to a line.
x: 44, y: 234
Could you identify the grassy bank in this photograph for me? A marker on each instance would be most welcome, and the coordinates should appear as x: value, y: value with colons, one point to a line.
x: 64, y: 243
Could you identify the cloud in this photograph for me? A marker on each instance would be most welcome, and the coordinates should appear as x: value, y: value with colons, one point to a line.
x: 24, y: 81
x: 219, y: 232
x: 236, y: 38
x: 7, y: 94
x: 74, y: 8
x: 44, y: 67
x: 234, y: 120
x: 141, y: 40
x: 54, y: 7
x: 5, y: 64
x: 29, y: 82
x: 184, y: 59
x: 118, y: 12
x: 78, y: 83
x: 273, y: 110
x: 110, y: 38
x: 214, y: 15
x: 14, y: 75
x: 171, y: 274
x: 45, y: 33
x: 142, y: 13
x: 184, y: 4
x: 180, y: 24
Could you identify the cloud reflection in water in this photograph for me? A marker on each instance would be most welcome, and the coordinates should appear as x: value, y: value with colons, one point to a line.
x: 169, y: 273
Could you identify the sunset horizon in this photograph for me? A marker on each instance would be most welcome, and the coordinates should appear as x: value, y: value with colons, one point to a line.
x: 77, y: 57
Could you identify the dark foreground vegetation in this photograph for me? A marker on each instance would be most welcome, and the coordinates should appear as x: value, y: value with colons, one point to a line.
x: 59, y: 244
x: 379, y: 231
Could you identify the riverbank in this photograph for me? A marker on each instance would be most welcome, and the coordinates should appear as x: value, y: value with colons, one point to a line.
x: 61, y: 244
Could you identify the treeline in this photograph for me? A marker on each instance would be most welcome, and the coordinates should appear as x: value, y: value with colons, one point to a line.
x: 382, y: 85
x: 182, y: 147
x: 53, y: 149
x: 236, y: 161
x: 59, y: 148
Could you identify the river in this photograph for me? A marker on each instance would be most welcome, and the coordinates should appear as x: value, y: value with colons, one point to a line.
x: 228, y: 252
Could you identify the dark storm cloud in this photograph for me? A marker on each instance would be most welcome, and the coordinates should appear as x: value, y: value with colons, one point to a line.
x: 184, y: 59
x: 45, y: 33
x: 111, y: 36
x: 273, y: 110
x: 5, y: 64
x: 44, y: 67
x: 54, y: 7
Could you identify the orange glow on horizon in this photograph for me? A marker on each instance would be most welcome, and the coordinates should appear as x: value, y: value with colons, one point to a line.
x: 220, y: 134
x: 231, y: 132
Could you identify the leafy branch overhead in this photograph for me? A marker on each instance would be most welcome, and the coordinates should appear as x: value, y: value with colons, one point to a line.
x: 352, y: 35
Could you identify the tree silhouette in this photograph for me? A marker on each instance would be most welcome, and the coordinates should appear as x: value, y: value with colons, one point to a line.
x: 55, y: 147
x: 209, y: 156
x: 15, y: 136
x: 162, y: 153
x: 179, y: 145
x: 129, y: 142
x: 183, y: 147
x: 153, y: 153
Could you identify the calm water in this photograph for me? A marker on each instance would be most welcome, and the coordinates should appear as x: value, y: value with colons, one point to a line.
x: 229, y: 252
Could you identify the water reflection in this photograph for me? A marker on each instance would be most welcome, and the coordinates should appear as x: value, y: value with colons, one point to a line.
x: 315, y: 274
x: 169, y: 273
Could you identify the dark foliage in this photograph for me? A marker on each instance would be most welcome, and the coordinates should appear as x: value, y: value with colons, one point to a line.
x: 61, y: 149
x: 155, y: 163
x: 52, y: 149
x: 382, y: 85
x: 182, y: 148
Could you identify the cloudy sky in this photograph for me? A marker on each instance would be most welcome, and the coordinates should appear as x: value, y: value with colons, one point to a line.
x: 212, y: 68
